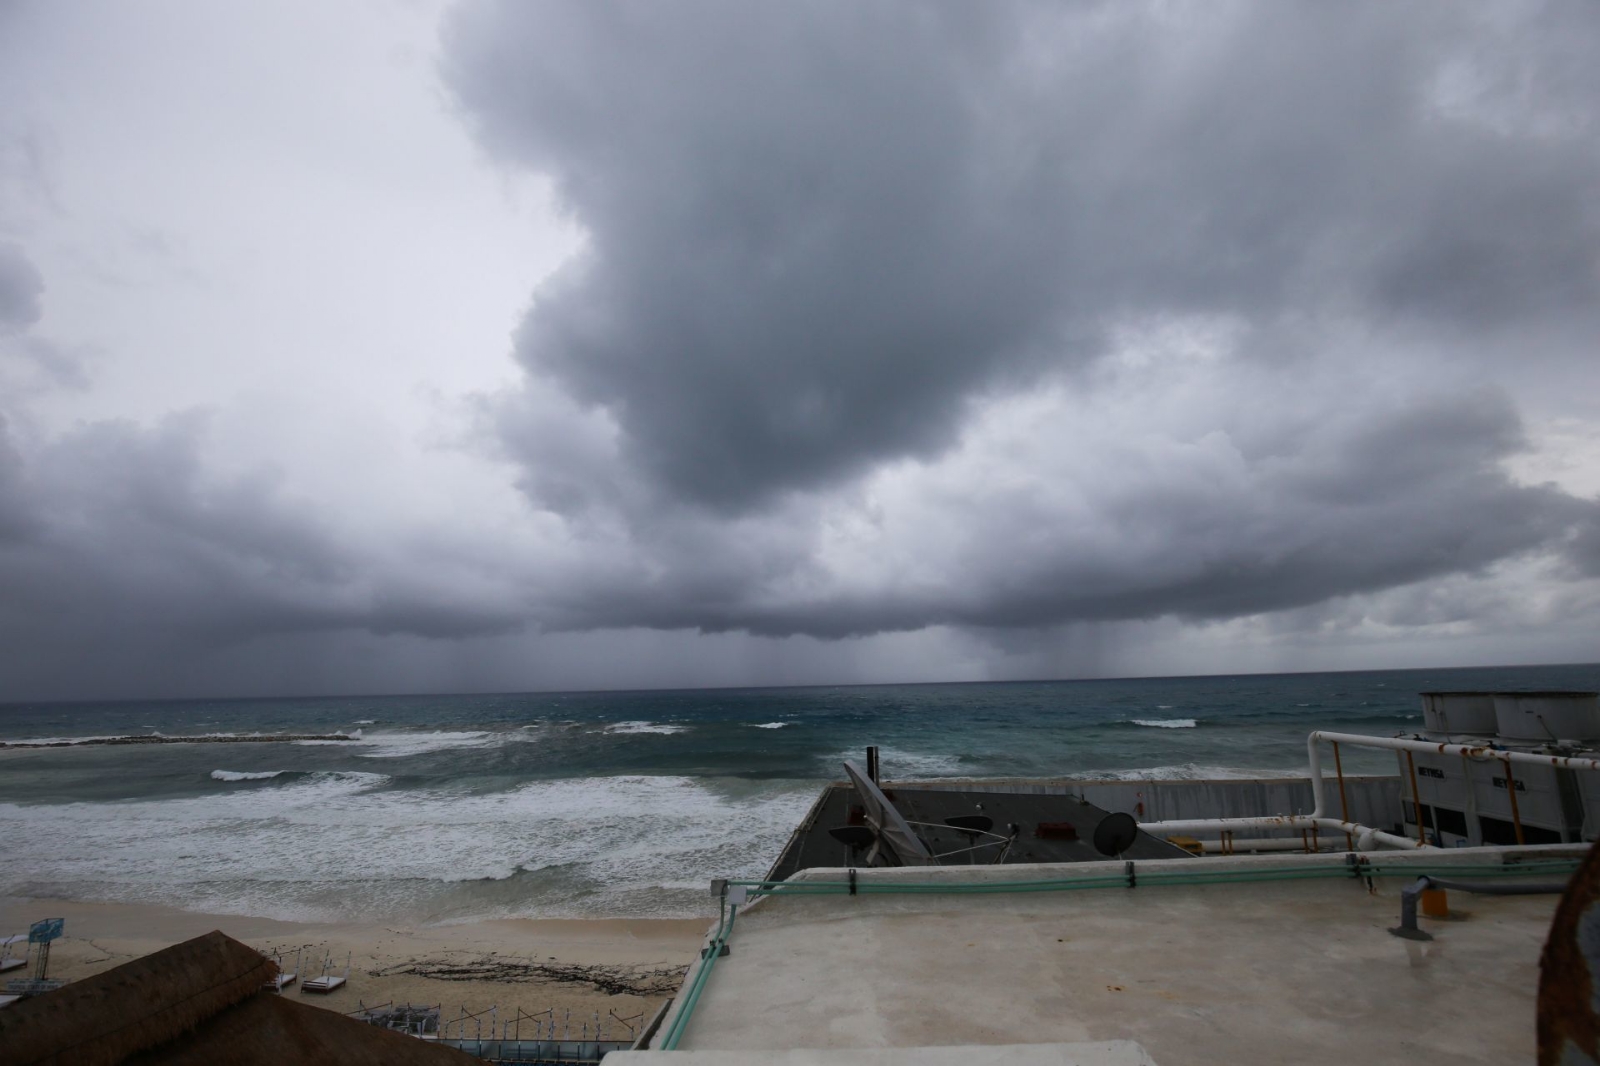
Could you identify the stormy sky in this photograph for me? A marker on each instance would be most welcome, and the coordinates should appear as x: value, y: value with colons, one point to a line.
x: 396, y: 345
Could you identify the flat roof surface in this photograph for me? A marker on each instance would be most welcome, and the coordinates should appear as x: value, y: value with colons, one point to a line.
x: 1302, y: 971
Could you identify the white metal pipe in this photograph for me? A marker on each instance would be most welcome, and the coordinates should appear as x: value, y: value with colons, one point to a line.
x: 1366, y: 836
x: 1248, y: 844
x: 1480, y: 752
x: 1318, y: 816
x: 1283, y: 821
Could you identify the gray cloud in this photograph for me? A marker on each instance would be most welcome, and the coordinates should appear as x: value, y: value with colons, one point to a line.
x: 895, y: 327
x: 826, y: 245
x: 1584, y: 551
x: 1193, y: 529
x: 20, y: 289
x: 120, y: 554
x: 816, y: 232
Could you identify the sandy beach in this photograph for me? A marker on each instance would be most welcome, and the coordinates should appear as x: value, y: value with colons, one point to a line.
x: 613, y: 968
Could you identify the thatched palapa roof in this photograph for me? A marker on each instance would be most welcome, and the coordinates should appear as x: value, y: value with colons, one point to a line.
x: 199, y: 1002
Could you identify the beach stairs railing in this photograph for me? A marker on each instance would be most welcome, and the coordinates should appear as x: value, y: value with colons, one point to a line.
x: 564, y: 1052
x: 327, y: 982
x: 541, y: 1037
x: 410, y: 1018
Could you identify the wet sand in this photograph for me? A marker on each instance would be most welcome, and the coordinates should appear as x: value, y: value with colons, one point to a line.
x: 587, y: 967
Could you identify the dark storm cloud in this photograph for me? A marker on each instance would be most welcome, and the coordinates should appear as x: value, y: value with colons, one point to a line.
x: 1214, y: 536
x: 1008, y: 317
x: 122, y: 561
x: 1309, y: 525
x: 816, y: 231
x: 14, y: 519
x: 125, y: 558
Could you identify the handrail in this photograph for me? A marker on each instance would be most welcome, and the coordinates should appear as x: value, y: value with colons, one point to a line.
x: 1366, y: 836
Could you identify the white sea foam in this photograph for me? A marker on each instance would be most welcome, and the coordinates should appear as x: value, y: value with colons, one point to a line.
x: 366, y: 721
x: 900, y: 765
x: 1166, y: 723
x: 242, y: 775
x: 402, y: 745
x: 330, y: 846
x: 644, y: 727
x: 770, y: 725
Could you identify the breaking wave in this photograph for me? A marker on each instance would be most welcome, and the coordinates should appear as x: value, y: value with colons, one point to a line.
x: 1166, y: 723
x: 332, y: 846
x: 242, y: 775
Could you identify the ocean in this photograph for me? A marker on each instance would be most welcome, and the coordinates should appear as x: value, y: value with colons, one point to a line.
x: 457, y: 808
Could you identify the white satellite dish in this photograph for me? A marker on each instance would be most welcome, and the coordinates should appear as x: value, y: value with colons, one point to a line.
x: 894, y: 833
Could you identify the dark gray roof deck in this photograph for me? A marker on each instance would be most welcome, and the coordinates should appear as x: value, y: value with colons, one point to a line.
x: 810, y: 846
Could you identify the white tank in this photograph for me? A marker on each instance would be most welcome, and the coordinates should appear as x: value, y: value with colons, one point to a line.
x: 1459, y: 712
x: 1543, y: 717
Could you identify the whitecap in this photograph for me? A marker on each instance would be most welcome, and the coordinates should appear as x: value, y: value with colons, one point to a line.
x: 242, y: 775
x: 769, y: 725
x: 1166, y: 723
x: 645, y: 727
x: 401, y: 745
x: 900, y: 765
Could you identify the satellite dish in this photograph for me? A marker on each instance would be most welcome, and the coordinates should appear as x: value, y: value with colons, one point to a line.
x: 894, y: 835
x: 1115, y: 834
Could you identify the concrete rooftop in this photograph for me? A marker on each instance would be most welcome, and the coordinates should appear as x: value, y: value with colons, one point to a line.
x: 1301, y: 971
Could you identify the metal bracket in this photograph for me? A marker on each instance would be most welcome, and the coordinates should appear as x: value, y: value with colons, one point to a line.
x: 1133, y: 881
x: 852, y: 881
x: 1358, y: 870
x: 1407, y: 929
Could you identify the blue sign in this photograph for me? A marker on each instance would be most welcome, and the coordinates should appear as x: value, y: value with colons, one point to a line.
x: 46, y: 931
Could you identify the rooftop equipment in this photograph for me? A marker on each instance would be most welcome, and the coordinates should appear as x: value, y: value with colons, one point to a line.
x: 1459, y: 712
x: 1115, y: 834
x: 895, y: 843
x: 1546, y: 717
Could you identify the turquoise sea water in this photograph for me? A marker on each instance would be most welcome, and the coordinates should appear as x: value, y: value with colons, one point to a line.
x: 569, y: 804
